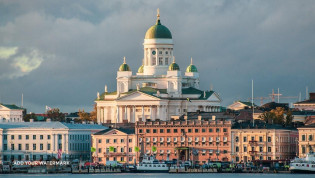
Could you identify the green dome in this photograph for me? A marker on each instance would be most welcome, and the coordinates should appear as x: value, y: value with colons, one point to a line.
x: 191, y: 68
x: 140, y: 70
x: 173, y: 66
x: 124, y: 66
x: 158, y: 31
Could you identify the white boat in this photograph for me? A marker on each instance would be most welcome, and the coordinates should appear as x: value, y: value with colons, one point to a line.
x: 150, y: 164
x: 303, y: 165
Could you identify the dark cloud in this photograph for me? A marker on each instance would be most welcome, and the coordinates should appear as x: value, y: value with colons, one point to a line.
x: 81, y: 45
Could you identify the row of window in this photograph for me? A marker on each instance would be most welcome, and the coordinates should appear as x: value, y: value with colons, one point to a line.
x: 27, y: 137
x: 27, y: 158
x: 310, y: 137
x: 115, y: 150
x: 79, y: 146
x: 183, y: 130
x: 115, y: 140
x: 27, y: 146
x: 252, y: 149
x: 182, y: 139
x: 79, y: 137
x: 252, y: 139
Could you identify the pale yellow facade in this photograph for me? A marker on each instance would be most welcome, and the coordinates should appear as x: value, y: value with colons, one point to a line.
x: 263, y: 144
x: 122, y: 142
x: 306, y: 140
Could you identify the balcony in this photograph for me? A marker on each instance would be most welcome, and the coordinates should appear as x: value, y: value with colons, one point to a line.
x: 253, y: 142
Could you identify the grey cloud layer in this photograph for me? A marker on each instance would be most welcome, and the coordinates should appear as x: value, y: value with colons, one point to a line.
x: 81, y: 44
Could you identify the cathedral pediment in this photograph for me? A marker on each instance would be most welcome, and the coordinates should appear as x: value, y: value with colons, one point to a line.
x: 138, y: 96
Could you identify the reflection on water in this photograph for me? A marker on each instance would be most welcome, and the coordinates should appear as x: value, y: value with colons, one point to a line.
x: 157, y: 175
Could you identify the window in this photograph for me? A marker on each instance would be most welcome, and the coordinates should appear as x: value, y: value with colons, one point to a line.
x: 20, y: 146
x: 196, y: 130
x: 161, y: 130
x: 140, y: 130
x: 34, y: 157
x: 12, y: 146
x: 60, y: 146
x: 189, y: 130
x: 20, y: 137
x: 154, y: 61
x: 182, y: 130
x: 175, y: 130
x: 122, y: 140
x: 236, y: 149
x: 115, y: 140
x: 5, y: 137
x: 41, y: 146
x: 310, y: 137
x: 237, y: 159
x: 224, y: 130
x: 160, y: 60
x: 269, y: 149
x: 41, y: 137
x: 245, y: 149
x: 269, y: 139
x: 203, y: 130
x: 303, y: 137
x: 34, y: 137
x: 48, y: 137
x: 12, y: 137
x: 122, y: 150
x: 27, y: 146
x: 253, y: 138
x: 34, y: 146
x: 99, y: 140
x: 260, y: 139
x: 48, y: 146
x: 166, y: 52
x: 217, y: 130
x: 154, y: 131
x: 130, y: 150
x: 166, y: 61
x: 303, y: 149
x: 100, y: 150
x: 210, y: 130
x: 5, y: 147
x: 148, y: 131
x: 130, y: 140
x: 260, y: 149
x: 168, y: 130
x: 236, y: 139
x: 160, y: 52
x: 244, y: 139
x: 107, y: 140
x: 59, y: 137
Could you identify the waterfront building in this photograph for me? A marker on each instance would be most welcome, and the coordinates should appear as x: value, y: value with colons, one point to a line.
x: 44, y: 140
x: 197, y: 140
x: 115, y: 144
x: 308, y: 104
x: 263, y: 142
x: 158, y: 90
x: 11, y: 113
x: 306, y: 140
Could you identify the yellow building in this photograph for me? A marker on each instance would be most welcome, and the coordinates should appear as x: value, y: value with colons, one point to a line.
x: 306, y: 139
x: 114, y: 145
x: 262, y: 142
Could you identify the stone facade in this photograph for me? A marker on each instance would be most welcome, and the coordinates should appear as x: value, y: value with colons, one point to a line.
x: 199, y: 141
x: 306, y: 140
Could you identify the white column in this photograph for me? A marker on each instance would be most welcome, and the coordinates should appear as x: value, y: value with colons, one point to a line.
x: 53, y: 147
x: 64, y: 143
x: 125, y: 113
x: 98, y: 114
x: 128, y: 114
x: 151, y: 112
x: 134, y: 114
x: 67, y: 143
x: 117, y: 118
x: 105, y: 115
x: 143, y: 113
x: 158, y: 112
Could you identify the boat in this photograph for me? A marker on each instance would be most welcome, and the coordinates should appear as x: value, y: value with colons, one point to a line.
x: 151, y: 165
x: 303, y: 165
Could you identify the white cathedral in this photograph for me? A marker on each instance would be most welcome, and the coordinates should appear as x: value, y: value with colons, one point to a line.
x: 158, y: 90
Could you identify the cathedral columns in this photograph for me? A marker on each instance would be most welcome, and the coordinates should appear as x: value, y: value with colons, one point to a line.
x: 98, y: 114
x: 143, y: 113
x: 125, y: 112
x: 158, y: 112
x: 151, y: 112
x: 134, y: 114
x: 129, y: 114
x: 117, y: 118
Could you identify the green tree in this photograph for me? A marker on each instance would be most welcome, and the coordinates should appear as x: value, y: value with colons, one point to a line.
x: 111, y: 149
x: 27, y: 117
x: 268, y: 117
x: 137, y: 149
x: 288, y: 118
x: 55, y: 115
x: 153, y: 149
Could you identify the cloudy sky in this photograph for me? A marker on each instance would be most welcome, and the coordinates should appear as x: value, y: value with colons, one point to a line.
x: 60, y: 53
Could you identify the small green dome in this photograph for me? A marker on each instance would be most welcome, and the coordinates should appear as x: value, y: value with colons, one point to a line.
x: 158, y: 31
x: 124, y: 66
x: 140, y: 70
x: 191, y: 68
x: 173, y: 67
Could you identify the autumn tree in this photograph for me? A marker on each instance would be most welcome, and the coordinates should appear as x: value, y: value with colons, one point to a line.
x: 55, y: 115
x: 27, y: 117
x: 84, y: 116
